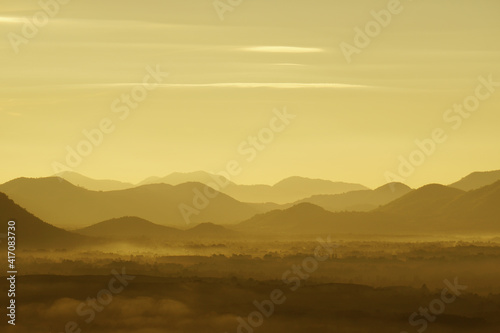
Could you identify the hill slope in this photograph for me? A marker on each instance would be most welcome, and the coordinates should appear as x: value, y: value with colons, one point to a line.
x: 364, y: 200
x: 438, y: 207
x: 288, y: 190
x: 307, y: 219
x: 177, y: 178
x: 93, y: 184
x: 63, y: 204
x: 131, y: 227
x: 428, y: 200
x: 481, y: 206
x: 477, y: 180
x: 431, y: 209
x: 31, y: 232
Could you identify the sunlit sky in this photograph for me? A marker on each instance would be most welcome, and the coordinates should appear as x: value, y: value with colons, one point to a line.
x: 353, y: 120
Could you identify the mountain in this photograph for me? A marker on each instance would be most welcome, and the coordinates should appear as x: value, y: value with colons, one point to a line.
x: 93, y: 184
x: 64, y: 204
x: 288, y: 190
x: 438, y: 207
x: 177, y: 178
x: 482, y: 206
x: 131, y: 227
x: 364, y: 200
x: 209, y: 230
x: 31, y: 232
x: 150, y: 180
x: 434, y: 209
x: 428, y: 200
x: 307, y: 219
x: 476, y: 180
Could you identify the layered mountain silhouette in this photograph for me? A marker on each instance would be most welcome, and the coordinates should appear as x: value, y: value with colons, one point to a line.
x: 131, y: 227
x: 429, y: 209
x: 210, y: 230
x: 147, y: 210
x: 480, y: 207
x: 31, y: 232
x: 64, y: 204
x: 363, y: 201
x: 93, y: 184
x: 428, y: 200
x: 177, y: 178
x: 307, y: 219
x: 477, y: 180
x: 439, y: 207
x: 286, y: 191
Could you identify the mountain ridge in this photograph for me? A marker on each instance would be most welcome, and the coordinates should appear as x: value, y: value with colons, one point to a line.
x: 158, y: 203
x: 132, y: 227
x: 476, y: 180
x: 32, y: 232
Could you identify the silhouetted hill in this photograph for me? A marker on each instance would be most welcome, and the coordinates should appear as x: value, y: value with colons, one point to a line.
x: 267, y: 207
x: 93, y: 184
x: 430, y: 209
x: 210, y: 230
x: 438, y: 207
x: 428, y: 200
x: 476, y: 180
x: 63, y: 204
x: 129, y: 227
x: 177, y: 178
x: 307, y: 218
x: 364, y: 200
x: 481, y: 206
x: 316, y: 185
x: 31, y: 232
x: 288, y: 190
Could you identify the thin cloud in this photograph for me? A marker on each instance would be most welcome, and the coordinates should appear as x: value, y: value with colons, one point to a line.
x: 12, y: 19
x: 289, y: 64
x: 283, y: 49
x: 278, y: 85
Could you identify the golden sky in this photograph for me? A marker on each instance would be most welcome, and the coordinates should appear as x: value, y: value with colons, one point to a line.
x: 353, y: 120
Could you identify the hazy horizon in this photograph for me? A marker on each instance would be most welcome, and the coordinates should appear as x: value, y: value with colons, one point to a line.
x: 232, y: 179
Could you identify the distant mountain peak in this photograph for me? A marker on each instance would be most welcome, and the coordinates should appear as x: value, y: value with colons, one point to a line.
x: 477, y: 180
x: 40, y: 181
x: 306, y: 206
x: 394, y: 186
x: 176, y: 178
x: 434, y: 187
x: 208, y: 226
x: 300, y: 179
x: 93, y: 184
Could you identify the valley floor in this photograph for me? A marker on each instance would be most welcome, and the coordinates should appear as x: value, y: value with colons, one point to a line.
x: 361, y: 286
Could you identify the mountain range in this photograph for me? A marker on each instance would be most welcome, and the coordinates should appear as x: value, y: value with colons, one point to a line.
x: 131, y: 227
x: 93, y: 184
x: 430, y: 209
x: 285, y: 191
x: 63, y: 204
x: 32, y: 232
x: 152, y: 211
x: 359, y: 201
x: 477, y: 180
